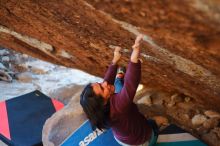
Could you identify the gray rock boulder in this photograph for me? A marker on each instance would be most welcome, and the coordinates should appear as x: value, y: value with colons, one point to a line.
x: 25, y: 77
x: 64, y: 94
x: 198, y: 119
x: 5, y: 76
x: 2, y: 66
x: 212, y: 114
x: 146, y: 100
x: 4, y: 52
x: 63, y: 123
x: 5, y: 59
x: 211, y: 123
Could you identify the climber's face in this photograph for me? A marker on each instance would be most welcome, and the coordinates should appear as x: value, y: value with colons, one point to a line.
x: 103, y: 89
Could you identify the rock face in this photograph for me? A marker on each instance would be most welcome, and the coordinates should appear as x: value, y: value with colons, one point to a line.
x: 63, y: 123
x: 198, y: 119
x: 180, y: 51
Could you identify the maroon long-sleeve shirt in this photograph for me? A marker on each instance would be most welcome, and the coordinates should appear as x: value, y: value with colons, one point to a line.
x: 127, y: 123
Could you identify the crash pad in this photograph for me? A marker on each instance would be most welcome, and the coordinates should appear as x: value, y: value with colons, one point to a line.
x: 22, y: 118
x: 172, y: 135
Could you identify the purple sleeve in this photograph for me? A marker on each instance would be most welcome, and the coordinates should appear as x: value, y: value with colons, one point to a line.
x: 131, y: 81
x: 110, y: 74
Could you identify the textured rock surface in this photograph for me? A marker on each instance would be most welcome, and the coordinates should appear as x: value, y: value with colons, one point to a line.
x: 181, y: 49
x: 198, y: 120
x: 64, y: 94
x: 64, y: 122
x: 212, y: 114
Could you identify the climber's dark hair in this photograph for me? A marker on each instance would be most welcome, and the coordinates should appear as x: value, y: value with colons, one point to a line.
x: 93, y: 106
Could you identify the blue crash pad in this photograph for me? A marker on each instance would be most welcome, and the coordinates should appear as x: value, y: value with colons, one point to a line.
x: 170, y: 136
